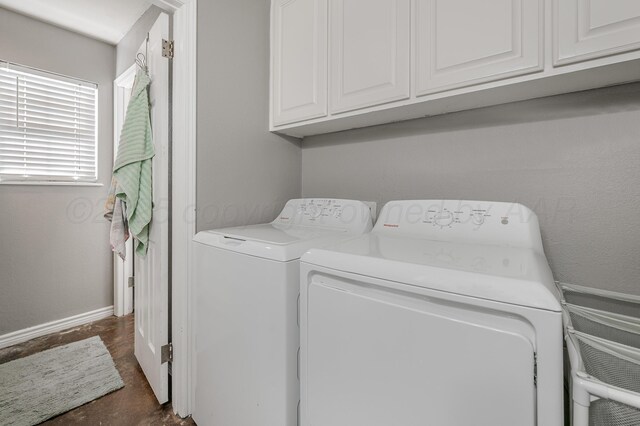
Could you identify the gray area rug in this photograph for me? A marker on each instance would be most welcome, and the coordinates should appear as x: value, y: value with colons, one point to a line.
x: 40, y: 386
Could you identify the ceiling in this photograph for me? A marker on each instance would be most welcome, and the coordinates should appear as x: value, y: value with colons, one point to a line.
x: 106, y: 20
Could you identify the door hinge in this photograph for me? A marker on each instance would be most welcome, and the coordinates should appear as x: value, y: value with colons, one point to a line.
x: 535, y: 369
x: 167, y: 48
x: 166, y: 353
x: 131, y: 282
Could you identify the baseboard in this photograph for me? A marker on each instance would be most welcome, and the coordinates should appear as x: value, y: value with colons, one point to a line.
x: 23, y: 335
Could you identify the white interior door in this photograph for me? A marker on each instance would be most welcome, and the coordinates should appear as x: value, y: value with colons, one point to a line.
x: 122, y: 269
x: 152, y: 271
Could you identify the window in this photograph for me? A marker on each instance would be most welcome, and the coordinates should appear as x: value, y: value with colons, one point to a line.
x: 48, y: 126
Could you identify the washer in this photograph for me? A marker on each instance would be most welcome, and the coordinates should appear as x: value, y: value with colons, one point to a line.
x: 445, y: 314
x: 247, y: 286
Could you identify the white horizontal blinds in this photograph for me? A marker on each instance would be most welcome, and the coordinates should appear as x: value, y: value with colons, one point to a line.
x: 48, y: 126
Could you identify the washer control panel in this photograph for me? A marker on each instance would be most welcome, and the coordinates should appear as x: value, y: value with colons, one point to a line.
x: 481, y: 222
x: 349, y: 215
x: 316, y: 208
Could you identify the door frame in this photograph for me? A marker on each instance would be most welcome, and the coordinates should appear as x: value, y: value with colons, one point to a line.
x: 183, y: 193
x: 122, y: 270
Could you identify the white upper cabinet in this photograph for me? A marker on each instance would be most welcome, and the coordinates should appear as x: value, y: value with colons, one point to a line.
x: 465, y: 42
x: 369, y: 52
x: 299, y: 60
x: 588, y: 29
x: 345, y: 64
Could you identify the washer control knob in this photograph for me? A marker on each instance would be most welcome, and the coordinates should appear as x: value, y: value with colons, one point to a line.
x: 444, y: 218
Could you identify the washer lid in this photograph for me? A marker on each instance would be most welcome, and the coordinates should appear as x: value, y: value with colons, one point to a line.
x: 511, y: 275
x: 302, y: 224
x: 275, y: 234
x: 270, y: 241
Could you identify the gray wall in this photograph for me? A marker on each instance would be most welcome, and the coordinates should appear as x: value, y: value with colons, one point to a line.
x: 574, y: 159
x: 55, y: 259
x: 244, y: 173
x: 128, y: 47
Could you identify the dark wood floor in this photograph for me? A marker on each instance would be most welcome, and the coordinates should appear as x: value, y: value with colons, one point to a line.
x: 134, y: 404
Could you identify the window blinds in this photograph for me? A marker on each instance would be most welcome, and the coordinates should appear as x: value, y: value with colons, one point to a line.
x: 48, y: 126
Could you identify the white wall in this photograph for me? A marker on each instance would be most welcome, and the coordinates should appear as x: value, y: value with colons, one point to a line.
x: 574, y: 159
x: 55, y: 259
x: 245, y: 173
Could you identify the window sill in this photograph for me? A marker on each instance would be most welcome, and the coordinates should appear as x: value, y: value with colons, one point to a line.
x: 48, y: 183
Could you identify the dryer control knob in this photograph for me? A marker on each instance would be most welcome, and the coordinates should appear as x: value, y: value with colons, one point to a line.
x: 477, y: 219
x: 445, y: 218
x: 314, y: 210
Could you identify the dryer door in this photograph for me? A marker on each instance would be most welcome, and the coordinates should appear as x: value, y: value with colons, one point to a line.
x: 378, y: 353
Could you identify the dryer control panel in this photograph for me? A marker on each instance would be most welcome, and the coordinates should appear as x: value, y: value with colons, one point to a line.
x: 348, y: 215
x: 480, y: 222
x: 449, y: 217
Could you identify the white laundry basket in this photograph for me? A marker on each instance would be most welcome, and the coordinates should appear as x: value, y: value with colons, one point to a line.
x: 603, y: 343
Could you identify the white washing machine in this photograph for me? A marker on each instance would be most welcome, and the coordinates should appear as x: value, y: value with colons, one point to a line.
x: 247, y: 335
x: 446, y: 314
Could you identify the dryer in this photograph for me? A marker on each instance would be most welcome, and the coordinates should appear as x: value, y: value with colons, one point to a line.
x: 247, y: 286
x: 445, y: 314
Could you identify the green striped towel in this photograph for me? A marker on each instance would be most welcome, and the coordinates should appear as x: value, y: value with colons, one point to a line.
x: 132, y: 169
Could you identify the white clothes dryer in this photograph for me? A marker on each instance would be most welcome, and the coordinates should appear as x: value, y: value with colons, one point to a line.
x: 446, y: 314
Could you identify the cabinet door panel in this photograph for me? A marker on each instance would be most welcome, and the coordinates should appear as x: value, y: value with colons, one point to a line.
x: 465, y: 42
x: 369, y: 52
x: 299, y: 60
x: 588, y: 29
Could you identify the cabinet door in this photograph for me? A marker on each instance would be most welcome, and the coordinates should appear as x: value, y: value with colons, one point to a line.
x: 587, y: 29
x: 465, y: 42
x: 370, y: 52
x: 299, y: 60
